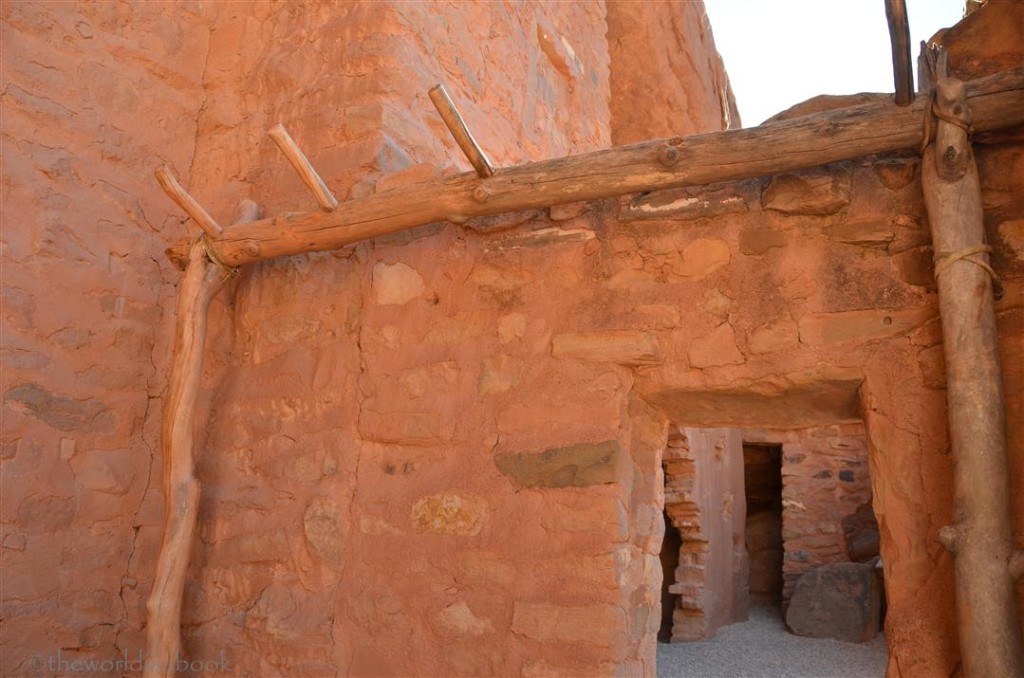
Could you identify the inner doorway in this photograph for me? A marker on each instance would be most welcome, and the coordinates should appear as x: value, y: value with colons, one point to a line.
x: 762, y: 479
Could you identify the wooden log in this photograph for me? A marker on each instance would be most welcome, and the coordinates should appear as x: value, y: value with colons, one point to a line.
x: 832, y: 136
x: 980, y: 539
x: 457, y: 126
x: 200, y: 283
x: 899, y: 37
x: 300, y: 162
x: 187, y: 203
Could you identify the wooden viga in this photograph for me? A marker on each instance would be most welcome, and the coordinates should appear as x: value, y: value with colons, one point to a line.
x: 996, y: 102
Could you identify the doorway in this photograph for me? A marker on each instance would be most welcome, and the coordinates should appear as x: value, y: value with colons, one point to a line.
x: 762, y: 478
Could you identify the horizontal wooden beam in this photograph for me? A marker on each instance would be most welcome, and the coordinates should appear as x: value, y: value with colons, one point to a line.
x: 832, y: 136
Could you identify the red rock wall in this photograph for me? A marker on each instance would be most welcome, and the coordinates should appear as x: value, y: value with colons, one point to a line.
x: 449, y: 438
x: 94, y: 97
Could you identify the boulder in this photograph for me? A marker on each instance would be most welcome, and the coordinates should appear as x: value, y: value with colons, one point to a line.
x: 841, y: 601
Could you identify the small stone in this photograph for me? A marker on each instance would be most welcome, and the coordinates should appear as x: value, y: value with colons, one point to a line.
x: 449, y: 514
x: 810, y: 193
x: 500, y: 374
x: 458, y: 620
x: 15, y: 542
x: 702, y: 257
x: 895, y: 174
x: 67, y: 448
x: 322, y: 526
x: 567, y: 211
x: 757, y: 241
x: 396, y: 284
x: 716, y: 348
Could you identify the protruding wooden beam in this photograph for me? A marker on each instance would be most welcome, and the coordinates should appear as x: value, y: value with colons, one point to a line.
x: 302, y: 165
x: 790, y: 145
x: 187, y: 203
x: 899, y: 36
x: 457, y: 126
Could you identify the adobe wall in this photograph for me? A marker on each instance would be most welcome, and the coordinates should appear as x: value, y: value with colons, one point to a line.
x: 449, y: 438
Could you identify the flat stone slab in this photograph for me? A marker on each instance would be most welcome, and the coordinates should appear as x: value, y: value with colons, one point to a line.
x: 573, y: 466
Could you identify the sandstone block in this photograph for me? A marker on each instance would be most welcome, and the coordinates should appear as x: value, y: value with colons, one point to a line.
x: 716, y: 348
x: 895, y: 174
x: 702, y: 257
x: 841, y: 601
x: 500, y: 373
x: 825, y: 328
x: 776, y: 336
x: 322, y: 525
x: 458, y: 620
x: 867, y: 232
x: 757, y: 241
x: 60, y: 412
x: 592, y: 624
x: 578, y: 465
x: 810, y: 193
x: 625, y: 347
x: 396, y: 284
x: 449, y: 514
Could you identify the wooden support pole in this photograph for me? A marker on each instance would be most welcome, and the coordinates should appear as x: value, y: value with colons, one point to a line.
x: 302, y: 165
x: 980, y: 539
x: 799, y: 143
x: 187, y: 203
x: 899, y: 36
x: 200, y: 283
x: 457, y: 126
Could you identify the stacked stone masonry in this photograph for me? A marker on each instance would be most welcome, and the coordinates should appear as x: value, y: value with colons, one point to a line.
x: 370, y: 417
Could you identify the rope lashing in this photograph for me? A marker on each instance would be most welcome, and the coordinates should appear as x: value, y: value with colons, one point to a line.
x: 945, y: 259
x: 211, y: 254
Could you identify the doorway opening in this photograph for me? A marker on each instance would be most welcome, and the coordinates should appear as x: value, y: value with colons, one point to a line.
x: 762, y: 479
x: 670, y: 547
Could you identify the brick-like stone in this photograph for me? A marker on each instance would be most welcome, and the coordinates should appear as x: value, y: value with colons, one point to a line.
x: 625, y: 347
x: 449, y: 514
x: 323, y: 526
x: 396, y: 284
x: 818, y: 193
x: 61, y: 412
x: 827, y: 328
x: 591, y: 624
x: 716, y: 348
x: 578, y: 465
x: 702, y: 257
x: 458, y: 620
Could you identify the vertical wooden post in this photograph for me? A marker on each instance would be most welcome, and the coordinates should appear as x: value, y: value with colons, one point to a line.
x: 980, y: 539
x: 200, y: 283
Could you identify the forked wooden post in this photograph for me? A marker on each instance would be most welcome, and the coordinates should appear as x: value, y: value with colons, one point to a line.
x: 457, y: 126
x: 979, y: 539
x: 200, y: 283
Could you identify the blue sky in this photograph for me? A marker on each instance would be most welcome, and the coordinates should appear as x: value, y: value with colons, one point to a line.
x: 779, y: 53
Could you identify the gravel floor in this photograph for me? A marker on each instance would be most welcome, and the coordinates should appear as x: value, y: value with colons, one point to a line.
x: 761, y: 647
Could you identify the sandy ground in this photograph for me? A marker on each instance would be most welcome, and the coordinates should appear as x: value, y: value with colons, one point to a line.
x: 761, y: 647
